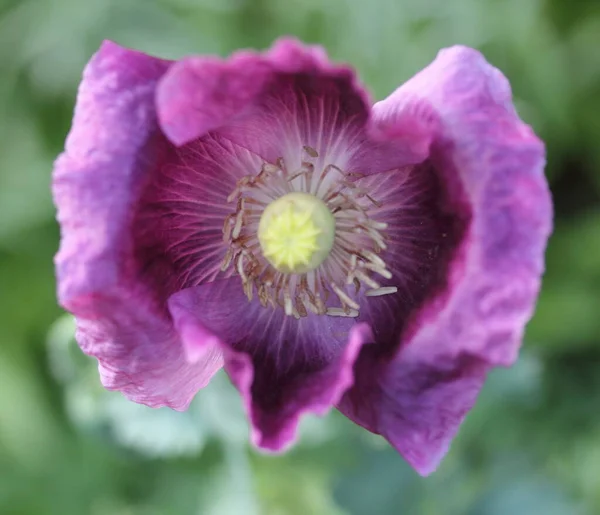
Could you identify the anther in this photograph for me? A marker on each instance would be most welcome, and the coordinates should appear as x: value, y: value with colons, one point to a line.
x: 310, y: 151
x: 338, y: 312
x: 239, y: 266
x: 377, y: 225
x: 267, y: 170
x: 287, y: 303
x: 311, y: 305
x: 374, y: 258
x: 248, y: 289
x: 281, y: 165
x: 364, y: 278
x: 227, y: 259
x: 383, y: 272
x: 321, y: 308
x: 386, y: 290
x: 227, y: 228
x: 300, y: 307
x: 343, y: 296
x: 263, y: 296
x: 237, y: 228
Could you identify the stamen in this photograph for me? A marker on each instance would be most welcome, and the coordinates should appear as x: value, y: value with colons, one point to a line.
x: 248, y: 289
x: 300, y: 306
x: 374, y: 258
x: 321, y: 307
x: 352, y: 260
x: 281, y: 165
x: 361, y: 276
x: 227, y: 259
x: 306, y: 169
x: 287, y: 302
x: 310, y: 151
x: 267, y: 170
x: 263, y: 296
x: 251, y: 200
x: 237, y: 228
x: 311, y: 305
x: 376, y: 225
x: 239, y: 266
x: 240, y: 185
x: 383, y: 272
x: 227, y: 228
x: 344, y: 297
x: 269, y: 276
x: 338, y: 312
x: 386, y: 290
x: 377, y: 238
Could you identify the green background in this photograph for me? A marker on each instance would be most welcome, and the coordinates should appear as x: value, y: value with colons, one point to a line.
x: 531, y: 445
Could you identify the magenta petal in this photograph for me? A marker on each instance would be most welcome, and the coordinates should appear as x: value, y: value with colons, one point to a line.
x: 96, y: 177
x: 113, y: 145
x: 257, y: 99
x: 282, y: 367
x: 203, y: 93
x: 491, y: 167
x: 139, y: 353
x: 271, y: 104
x: 436, y: 399
x: 416, y: 406
x: 275, y: 103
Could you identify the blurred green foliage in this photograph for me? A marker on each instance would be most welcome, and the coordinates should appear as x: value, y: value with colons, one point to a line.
x: 532, y: 444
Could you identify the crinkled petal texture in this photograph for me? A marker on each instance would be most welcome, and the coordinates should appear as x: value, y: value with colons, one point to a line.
x: 417, y: 392
x: 114, y: 146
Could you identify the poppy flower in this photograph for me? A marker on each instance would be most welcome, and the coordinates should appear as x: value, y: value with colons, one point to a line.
x: 258, y: 213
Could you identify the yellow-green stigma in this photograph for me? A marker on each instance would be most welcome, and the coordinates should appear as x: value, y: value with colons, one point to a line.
x: 296, y: 232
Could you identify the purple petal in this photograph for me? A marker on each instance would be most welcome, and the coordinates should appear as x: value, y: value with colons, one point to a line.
x: 491, y: 167
x: 416, y: 406
x: 178, y: 224
x: 282, y: 367
x: 421, y: 237
x: 275, y: 103
x: 139, y: 353
x: 95, y: 179
x: 113, y: 146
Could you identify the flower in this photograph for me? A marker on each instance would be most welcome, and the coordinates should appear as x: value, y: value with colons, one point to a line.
x: 258, y: 214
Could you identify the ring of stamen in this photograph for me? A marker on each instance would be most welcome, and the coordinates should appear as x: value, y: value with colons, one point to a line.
x: 302, y: 238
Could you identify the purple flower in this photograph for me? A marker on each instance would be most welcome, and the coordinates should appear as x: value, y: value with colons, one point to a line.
x: 259, y: 214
